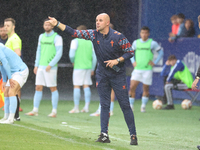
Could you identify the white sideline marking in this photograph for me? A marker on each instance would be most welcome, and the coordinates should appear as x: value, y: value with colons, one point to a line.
x: 118, y: 139
x: 94, y: 132
x: 59, y: 137
x: 70, y: 126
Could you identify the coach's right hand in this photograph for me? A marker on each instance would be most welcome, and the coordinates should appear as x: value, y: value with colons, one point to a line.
x: 52, y: 21
x: 35, y: 70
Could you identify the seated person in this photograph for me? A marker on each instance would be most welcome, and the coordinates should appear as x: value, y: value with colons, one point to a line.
x: 181, y: 29
x: 179, y: 77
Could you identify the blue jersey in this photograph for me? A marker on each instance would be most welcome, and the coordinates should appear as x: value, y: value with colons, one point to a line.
x: 167, y: 71
x: 10, y: 62
x: 107, y: 47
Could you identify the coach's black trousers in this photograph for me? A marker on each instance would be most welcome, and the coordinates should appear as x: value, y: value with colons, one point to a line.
x: 118, y: 83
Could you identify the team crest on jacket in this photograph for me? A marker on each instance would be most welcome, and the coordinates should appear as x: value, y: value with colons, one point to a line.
x: 112, y: 43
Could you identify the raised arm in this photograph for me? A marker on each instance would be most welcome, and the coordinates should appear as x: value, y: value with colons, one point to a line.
x: 83, y: 34
x: 54, y: 23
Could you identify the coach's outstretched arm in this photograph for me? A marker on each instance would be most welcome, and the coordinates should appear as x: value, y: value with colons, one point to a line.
x: 82, y: 34
x: 54, y: 23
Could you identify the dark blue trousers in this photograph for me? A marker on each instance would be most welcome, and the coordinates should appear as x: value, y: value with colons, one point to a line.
x: 119, y: 85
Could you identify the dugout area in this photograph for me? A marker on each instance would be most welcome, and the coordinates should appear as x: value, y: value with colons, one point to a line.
x: 156, y: 129
x: 127, y: 16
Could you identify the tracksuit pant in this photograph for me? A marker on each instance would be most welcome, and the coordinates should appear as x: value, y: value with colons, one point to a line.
x: 119, y: 85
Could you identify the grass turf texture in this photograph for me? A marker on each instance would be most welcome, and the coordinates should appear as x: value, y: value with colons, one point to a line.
x: 156, y: 129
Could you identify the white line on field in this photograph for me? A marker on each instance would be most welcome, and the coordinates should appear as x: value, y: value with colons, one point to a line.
x: 118, y: 139
x: 94, y: 132
x: 71, y: 127
x: 59, y: 137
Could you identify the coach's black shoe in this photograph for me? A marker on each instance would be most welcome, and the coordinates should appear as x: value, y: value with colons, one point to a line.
x: 103, y: 138
x: 168, y: 107
x: 133, y: 140
x: 17, y: 119
x: 198, y: 147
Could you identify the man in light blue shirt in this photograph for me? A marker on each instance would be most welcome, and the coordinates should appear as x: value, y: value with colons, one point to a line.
x: 83, y: 58
x: 49, y: 52
x: 145, y: 48
x: 15, y: 73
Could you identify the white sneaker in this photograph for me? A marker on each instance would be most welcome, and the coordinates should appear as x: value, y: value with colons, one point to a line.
x: 96, y: 114
x: 111, y: 113
x: 8, y: 121
x: 74, y: 111
x: 142, y: 109
x: 32, y: 113
x: 3, y: 119
x: 84, y: 110
x: 53, y: 115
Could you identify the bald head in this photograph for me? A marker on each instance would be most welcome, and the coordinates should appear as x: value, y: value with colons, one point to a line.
x: 105, y: 16
x: 102, y: 23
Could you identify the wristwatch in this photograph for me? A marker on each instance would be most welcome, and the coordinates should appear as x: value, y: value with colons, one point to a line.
x: 118, y: 60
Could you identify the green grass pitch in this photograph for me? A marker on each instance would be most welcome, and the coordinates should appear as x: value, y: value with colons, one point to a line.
x: 156, y: 129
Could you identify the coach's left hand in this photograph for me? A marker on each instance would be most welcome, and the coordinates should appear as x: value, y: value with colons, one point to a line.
x: 111, y: 63
x: 48, y: 68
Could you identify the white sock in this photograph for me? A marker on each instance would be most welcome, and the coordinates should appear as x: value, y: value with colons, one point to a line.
x: 35, y: 109
x: 54, y: 111
x: 144, y: 101
x: 86, y: 107
x: 6, y: 115
x: 76, y: 107
x: 11, y: 116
